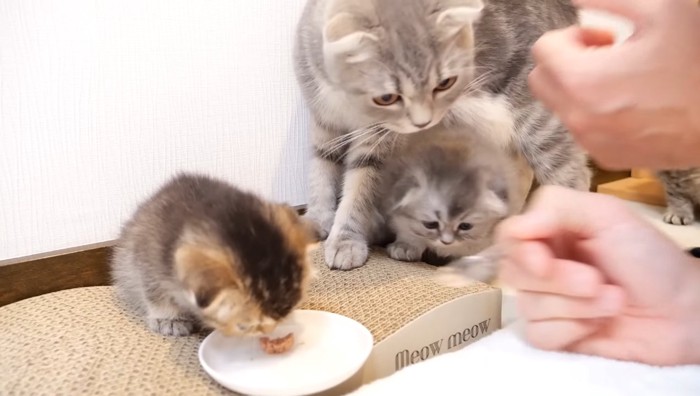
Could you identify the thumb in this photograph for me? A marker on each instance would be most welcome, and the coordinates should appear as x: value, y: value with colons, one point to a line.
x: 633, y: 10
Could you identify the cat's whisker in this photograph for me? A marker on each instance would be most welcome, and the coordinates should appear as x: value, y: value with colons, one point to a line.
x: 383, y: 134
x: 345, y: 136
x: 345, y: 140
x: 395, y: 140
x: 475, y: 84
x: 350, y: 137
x: 364, y: 137
x: 376, y: 131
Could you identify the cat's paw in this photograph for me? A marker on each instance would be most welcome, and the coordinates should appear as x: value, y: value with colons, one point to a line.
x: 480, y: 272
x: 321, y: 222
x: 464, y: 271
x: 171, y: 327
x: 678, y: 218
x: 404, y: 252
x: 346, y: 254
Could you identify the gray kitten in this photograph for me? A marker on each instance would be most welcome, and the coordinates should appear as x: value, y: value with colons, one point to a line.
x: 371, y: 69
x: 445, y: 192
x: 201, y: 253
x: 682, y: 188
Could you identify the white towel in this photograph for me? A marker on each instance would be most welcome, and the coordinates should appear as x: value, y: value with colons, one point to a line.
x: 503, y: 364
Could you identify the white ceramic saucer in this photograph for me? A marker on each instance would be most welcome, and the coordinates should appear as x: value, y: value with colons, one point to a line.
x: 328, y: 350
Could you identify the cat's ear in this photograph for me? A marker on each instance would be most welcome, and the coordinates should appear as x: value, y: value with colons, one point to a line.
x: 344, y: 40
x: 302, y: 232
x: 407, y: 187
x: 455, y: 25
x: 205, y: 271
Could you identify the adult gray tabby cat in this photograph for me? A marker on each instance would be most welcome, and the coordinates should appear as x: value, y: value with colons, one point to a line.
x: 682, y: 190
x: 369, y: 69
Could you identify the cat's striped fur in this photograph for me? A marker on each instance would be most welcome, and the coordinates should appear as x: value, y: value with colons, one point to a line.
x: 682, y: 190
x: 351, y: 56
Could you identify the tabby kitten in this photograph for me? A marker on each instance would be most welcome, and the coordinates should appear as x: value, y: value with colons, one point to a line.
x: 445, y: 192
x: 682, y: 190
x: 201, y: 253
x: 371, y: 69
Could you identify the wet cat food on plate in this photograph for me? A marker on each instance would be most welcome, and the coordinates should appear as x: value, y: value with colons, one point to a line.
x: 275, y: 346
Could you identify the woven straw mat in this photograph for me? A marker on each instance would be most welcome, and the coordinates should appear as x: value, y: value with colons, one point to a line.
x: 82, y: 341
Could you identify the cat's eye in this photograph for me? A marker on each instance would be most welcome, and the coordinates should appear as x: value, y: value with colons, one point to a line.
x: 465, y: 226
x: 431, y: 225
x: 386, y: 100
x: 446, y: 84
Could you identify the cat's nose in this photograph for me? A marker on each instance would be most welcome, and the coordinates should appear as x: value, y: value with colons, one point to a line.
x: 420, y: 114
x: 447, y: 239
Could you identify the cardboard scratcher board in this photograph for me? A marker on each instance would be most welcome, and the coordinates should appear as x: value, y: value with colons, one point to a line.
x: 82, y: 341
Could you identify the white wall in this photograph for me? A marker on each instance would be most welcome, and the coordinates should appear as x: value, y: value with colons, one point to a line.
x: 102, y: 100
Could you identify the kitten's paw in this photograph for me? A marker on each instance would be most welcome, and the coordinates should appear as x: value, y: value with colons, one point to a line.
x: 678, y: 218
x: 171, y: 327
x: 404, y: 252
x: 346, y: 254
x: 480, y: 272
x: 463, y: 272
x: 321, y: 221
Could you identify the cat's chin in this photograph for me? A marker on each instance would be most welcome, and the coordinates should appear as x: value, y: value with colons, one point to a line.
x: 409, y: 130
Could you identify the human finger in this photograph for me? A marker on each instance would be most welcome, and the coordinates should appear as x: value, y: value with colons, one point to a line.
x: 544, y: 306
x: 634, y: 10
x: 552, y: 45
x: 554, y: 210
x: 565, y: 277
x: 545, y: 89
x: 558, y: 334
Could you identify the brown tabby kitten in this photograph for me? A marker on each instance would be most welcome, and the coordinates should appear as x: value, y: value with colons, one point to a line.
x: 682, y: 188
x: 201, y: 253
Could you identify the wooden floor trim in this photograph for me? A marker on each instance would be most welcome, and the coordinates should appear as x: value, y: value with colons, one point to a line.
x: 36, y: 277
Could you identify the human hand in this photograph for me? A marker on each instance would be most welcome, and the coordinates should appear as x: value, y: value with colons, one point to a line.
x: 594, y: 278
x: 635, y: 104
